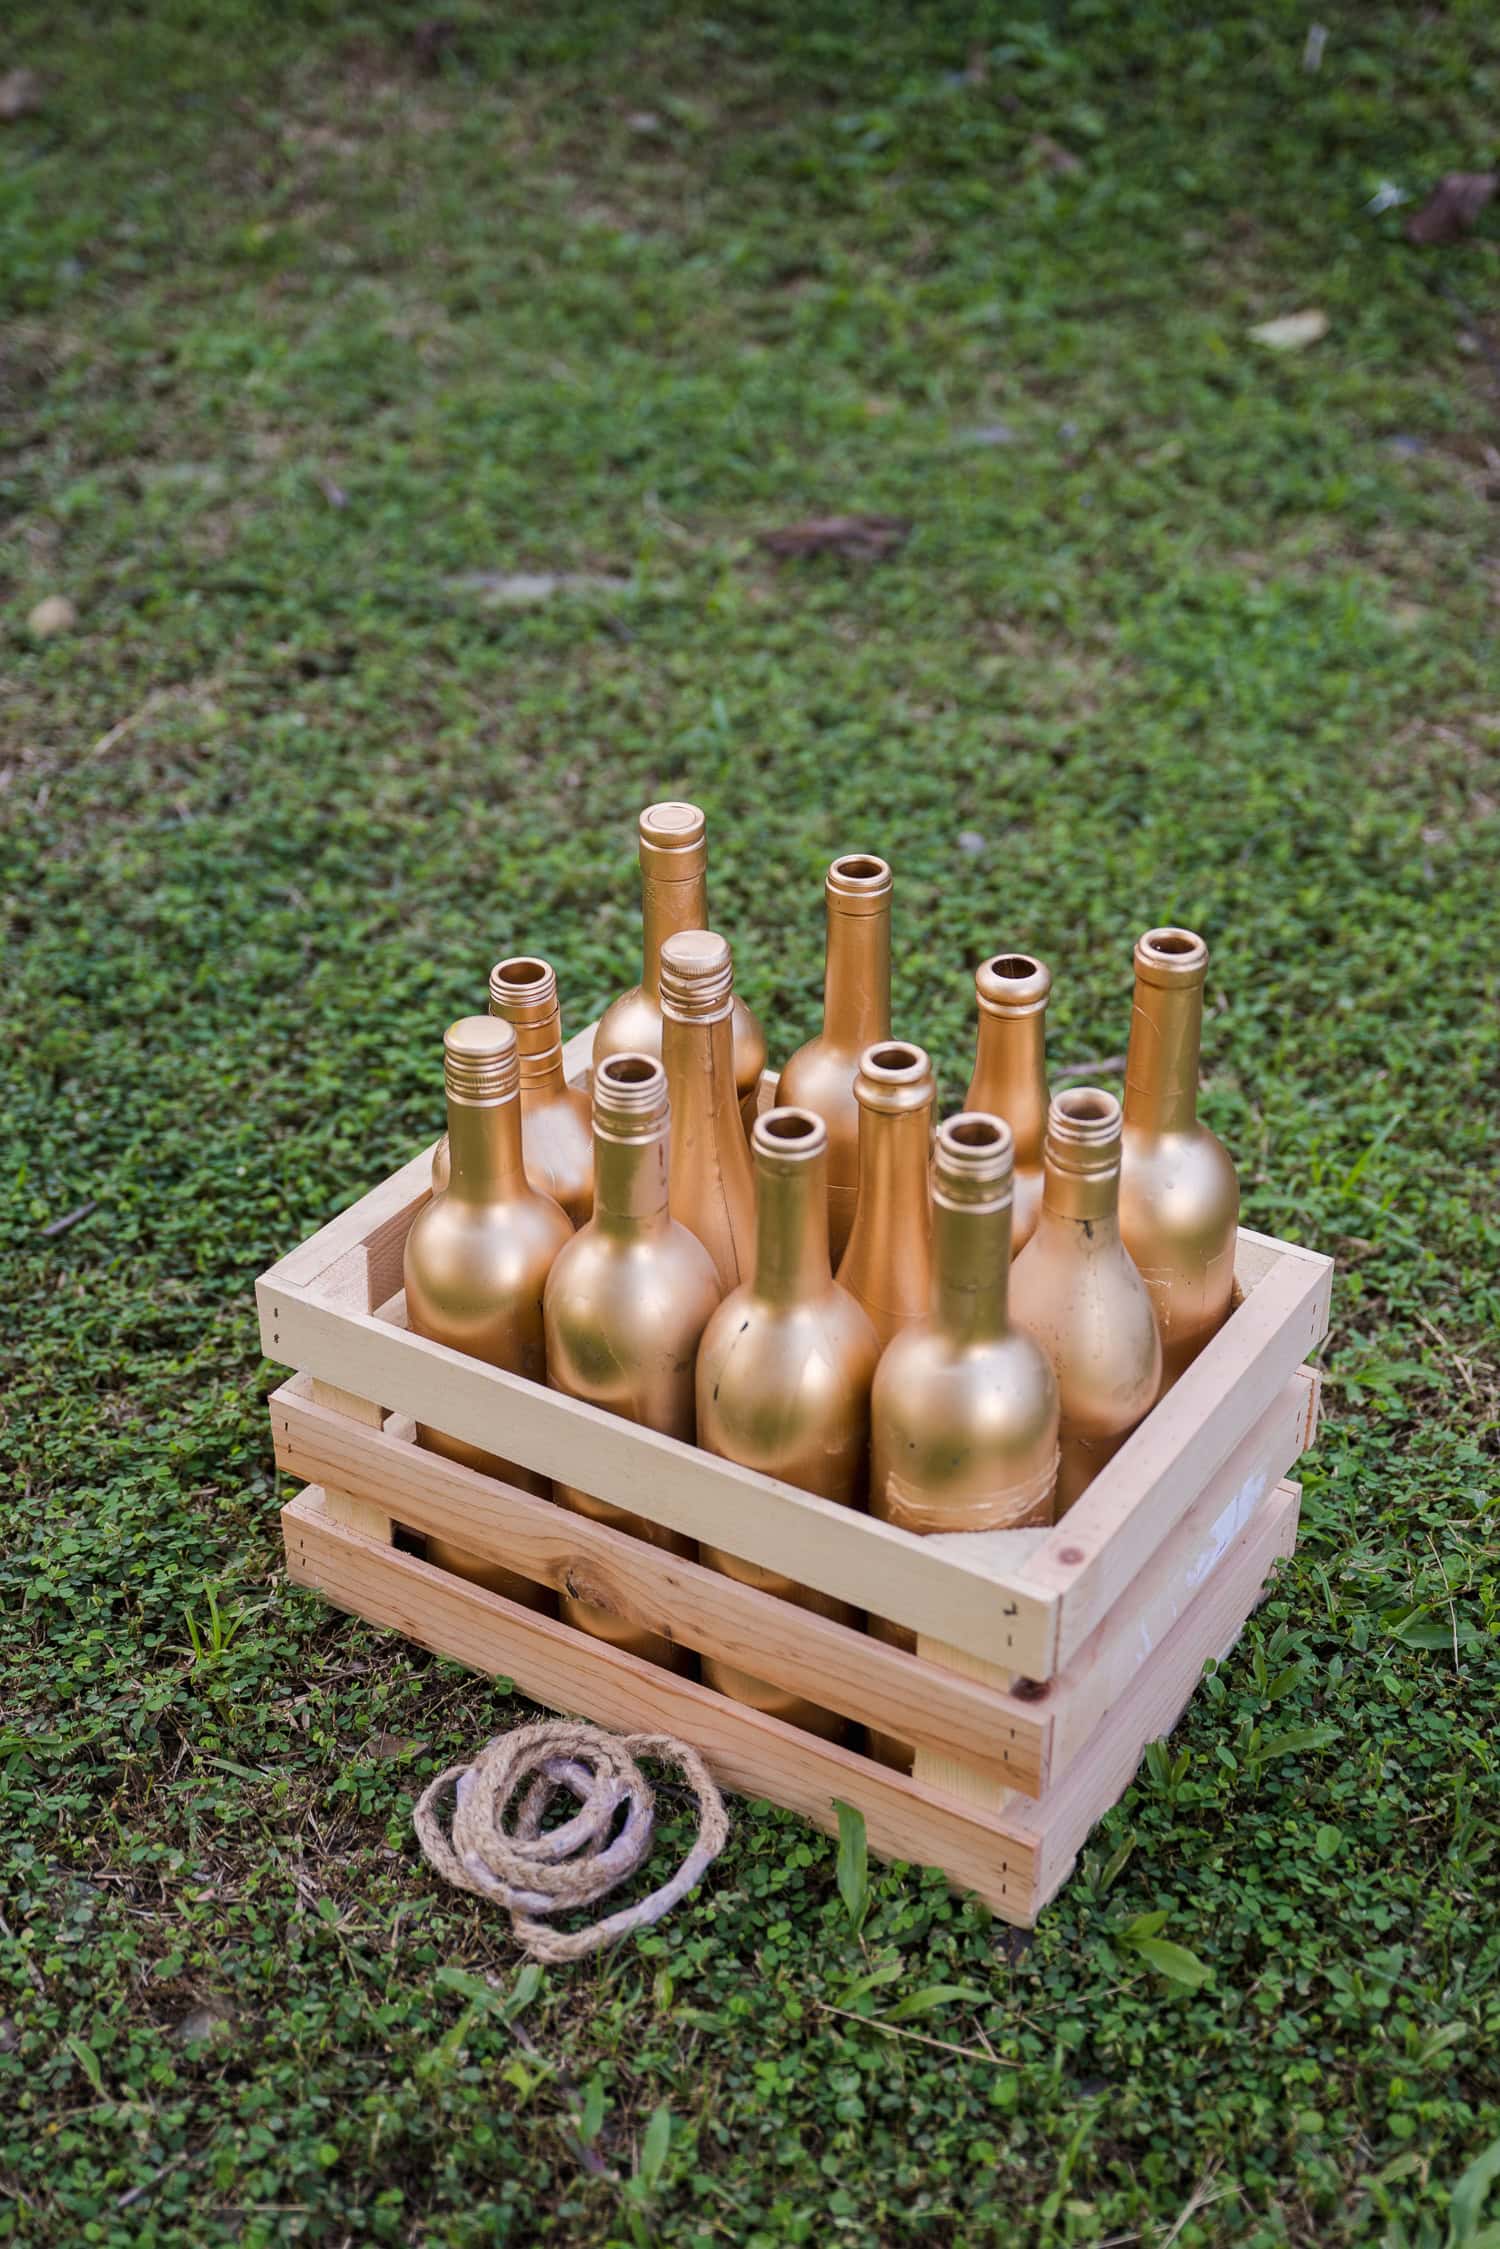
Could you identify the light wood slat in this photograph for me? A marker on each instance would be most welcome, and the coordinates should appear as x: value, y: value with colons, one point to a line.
x: 566, y: 1670
x: 1096, y: 1550
x: 346, y: 1503
x: 873, y: 1565
x: 831, y: 1664
x: 1058, y: 1824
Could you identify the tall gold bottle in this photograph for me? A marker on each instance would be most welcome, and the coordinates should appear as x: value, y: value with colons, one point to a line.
x: 478, y: 1255
x: 674, y: 897
x: 856, y: 1013
x: 556, y: 1140
x: 964, y: 1415
x: 1179, y: 1195
x: 626, y: 1303
x: 887, y: 1266
x: 1010, y: 1072
x: 784, y: 1374
x: 1077, y: 1290
x: 712, y: 1184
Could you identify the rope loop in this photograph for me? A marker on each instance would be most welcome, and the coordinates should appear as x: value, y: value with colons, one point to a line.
x: 496, y: 1846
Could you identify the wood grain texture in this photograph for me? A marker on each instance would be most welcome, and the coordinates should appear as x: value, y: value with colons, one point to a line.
x: 348, y: 1502
x: 840, y: 1668
x: 566, y: 1670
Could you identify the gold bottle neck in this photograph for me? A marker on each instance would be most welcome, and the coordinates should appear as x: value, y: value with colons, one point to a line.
x: 1010, y: 1077
x: 484, y: 1142
x: 972, y: 1170
x: 1082, y: 1162
x: 1166, y: 1032
x: 630, y: 1144
x: 674, y: 882
x: 857, y: 975
x: 523, y: 993
x: 791, y: 1208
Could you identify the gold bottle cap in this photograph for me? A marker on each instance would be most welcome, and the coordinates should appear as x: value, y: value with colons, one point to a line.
x: 1171, y: 956
x: 859, y: 883
x: 894, y: 1078
x: 1083, y: 1130
x: 697, y: 975
x: 785, y: 1139
x: 1012, y: 984
x: 480, y: 1060
x: 672, y: 842
x: 523, y: 989
x: 630, y: 1097
x: 973, y: 1160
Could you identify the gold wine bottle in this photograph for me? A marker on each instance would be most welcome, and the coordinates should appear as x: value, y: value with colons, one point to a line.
x: 478, y: 1255
x: 1179, y: 1196
x: 1010, y: 1072
x: 556, y: 1141
x: 1077, y: 1290
x: 887, y: 1266
x: 627, y: 1301
x: 964, y: 1417
x: 674, y: 897
x: 784, y: 1375
x: 712, y: 1184
x: 856, y: 1014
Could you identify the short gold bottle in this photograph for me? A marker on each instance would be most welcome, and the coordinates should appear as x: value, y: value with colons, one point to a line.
x: 478, y: 1255
x: 674, y: 897
x: 1010, y: 1072
x: 712, y: 1184
x: 784, y: 1375
x: 887, y: 1266
x: 1077, y: 1290
x: 964, y: 1416
x: 1179, y: 1195
x: 556, y: 1139
x: 627, y: 1301
x: 856, y: 1013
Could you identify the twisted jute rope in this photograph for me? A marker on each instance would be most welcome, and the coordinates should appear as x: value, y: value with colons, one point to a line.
x: 531, y: 1873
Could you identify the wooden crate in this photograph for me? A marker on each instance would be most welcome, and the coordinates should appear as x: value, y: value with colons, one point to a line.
x: 1046, y: 1659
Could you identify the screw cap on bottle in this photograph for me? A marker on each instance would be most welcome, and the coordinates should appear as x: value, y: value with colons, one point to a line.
x: 480, y: 1060
x: 1171, y: 957
x: 858, y: 883
x: 1083, y: 1130
x: 672, y: 842
x: 697, y: 975
x: 1012, y: 984
x: 523, y: 989
x: 973, y: 1160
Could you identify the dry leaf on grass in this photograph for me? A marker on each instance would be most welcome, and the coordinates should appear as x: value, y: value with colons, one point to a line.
x: 20, y: 93
x: 1048, y: 155
x: 1293, y: 332
x: 864, y: 538
x: 1452, y: 208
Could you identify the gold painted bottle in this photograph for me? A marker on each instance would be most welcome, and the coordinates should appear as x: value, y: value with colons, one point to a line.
x: 784, y: 1373
x: 887, y: 1266
x: 1179, y: 1195
x: 856, y: 1014
x: 556, y: 1137
x: 674, y: 897
x: 626, y: 1303
x: 1076, y: 1289
x: 1010, y: 1072
x: 964, y: 1416
x: 478, y: 1255
x: 712, y: 1185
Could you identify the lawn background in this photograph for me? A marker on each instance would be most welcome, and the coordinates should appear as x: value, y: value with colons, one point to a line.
x: 315, y: 320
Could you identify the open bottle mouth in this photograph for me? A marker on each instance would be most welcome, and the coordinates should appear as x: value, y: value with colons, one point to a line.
x: 1171, y: 956
x: 858, y: 883
x: 523, y: 988
x: 894, y: 1077
x: 782, y: 1137
x: 1012, y: 984
x: 629, y: 1090
x: 973, y: 1157
x: 1083, y: 1129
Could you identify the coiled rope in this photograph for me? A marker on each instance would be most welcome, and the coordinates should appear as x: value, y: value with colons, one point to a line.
x: 533, y: 1873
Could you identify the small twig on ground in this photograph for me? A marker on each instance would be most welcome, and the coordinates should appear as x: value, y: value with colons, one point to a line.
x: 1200, y: 2198
x: 1448, y: 1596
x: 71, y: 1217
x: 133, y: 2194
x: 1087, y: 1069
x: 1462, y: 1364
x: 918, y: 2037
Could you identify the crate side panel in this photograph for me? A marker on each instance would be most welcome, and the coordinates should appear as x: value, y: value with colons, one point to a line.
x: 840, y: 1668
x: 568, y: 1671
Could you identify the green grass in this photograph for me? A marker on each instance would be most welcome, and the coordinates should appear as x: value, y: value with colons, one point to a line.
x: 1210, y: 638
